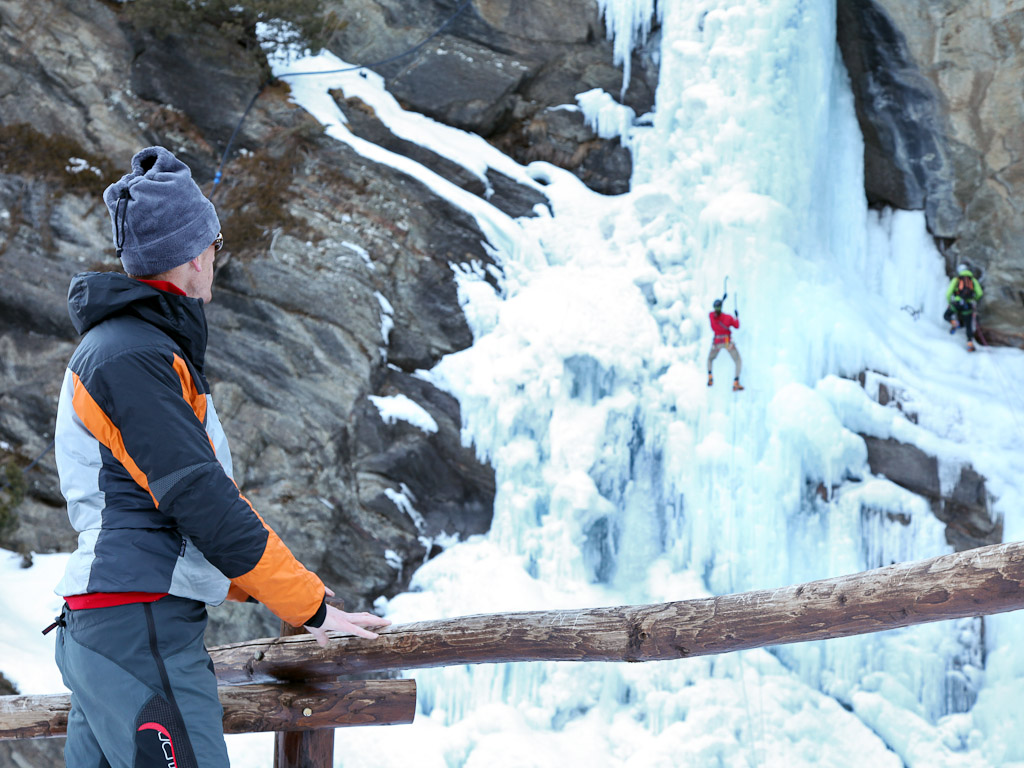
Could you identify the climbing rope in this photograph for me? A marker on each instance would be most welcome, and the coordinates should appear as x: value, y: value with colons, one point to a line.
x: 755, y: 746
x: 1005, y: 383
x: 227, y: 149
x: 270, y: 80
x: 1012, y: 403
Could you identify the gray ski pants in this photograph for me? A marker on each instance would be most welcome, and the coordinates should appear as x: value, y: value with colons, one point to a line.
x: 143, y: 692
x: 733, y: 353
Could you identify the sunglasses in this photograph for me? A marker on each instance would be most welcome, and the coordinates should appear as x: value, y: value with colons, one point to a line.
x: 218, y: 242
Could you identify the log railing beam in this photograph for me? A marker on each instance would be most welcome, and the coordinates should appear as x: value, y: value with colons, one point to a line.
x: 977, y: 582
x: 247, y: 708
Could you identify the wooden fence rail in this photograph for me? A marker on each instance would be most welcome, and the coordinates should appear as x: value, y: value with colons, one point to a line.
x: 977, y: 582
x: 973, y: 583
x: 247, y: 708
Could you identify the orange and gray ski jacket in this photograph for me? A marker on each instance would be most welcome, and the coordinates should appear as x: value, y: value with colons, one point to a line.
x: 145, y: 467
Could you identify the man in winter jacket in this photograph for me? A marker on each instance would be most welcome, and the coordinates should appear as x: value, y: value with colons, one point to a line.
x: 145, y: 468
x: 962, y: 297
x: 721, y: 323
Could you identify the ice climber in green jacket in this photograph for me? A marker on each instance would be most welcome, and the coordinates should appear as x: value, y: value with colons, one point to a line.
x: 962, y: 297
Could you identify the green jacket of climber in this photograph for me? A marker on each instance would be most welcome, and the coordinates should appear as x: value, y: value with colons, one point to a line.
x: 962, y: 297
x: 964, y: 286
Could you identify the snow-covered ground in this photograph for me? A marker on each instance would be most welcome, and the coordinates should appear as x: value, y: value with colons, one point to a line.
x: 622, y: 478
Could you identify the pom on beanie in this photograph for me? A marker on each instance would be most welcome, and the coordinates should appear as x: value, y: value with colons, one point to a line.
x: 159, y: 216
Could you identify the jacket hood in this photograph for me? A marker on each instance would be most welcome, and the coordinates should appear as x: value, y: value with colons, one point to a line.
x: 97, y: 296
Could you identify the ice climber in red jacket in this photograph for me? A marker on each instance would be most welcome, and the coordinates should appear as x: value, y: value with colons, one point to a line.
x: 721, y: 322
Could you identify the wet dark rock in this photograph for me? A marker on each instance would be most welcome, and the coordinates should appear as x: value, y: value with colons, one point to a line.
x: 965, y: 509
x: 462, y: 84
x: 179, y: 70
x: 906, y: 148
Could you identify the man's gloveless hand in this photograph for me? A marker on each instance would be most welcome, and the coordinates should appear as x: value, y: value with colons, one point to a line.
x: 346, y: 623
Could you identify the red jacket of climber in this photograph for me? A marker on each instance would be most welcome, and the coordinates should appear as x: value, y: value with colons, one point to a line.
x: 720, y: 324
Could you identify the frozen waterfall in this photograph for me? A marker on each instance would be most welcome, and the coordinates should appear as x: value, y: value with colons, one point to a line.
x: 623, y: 478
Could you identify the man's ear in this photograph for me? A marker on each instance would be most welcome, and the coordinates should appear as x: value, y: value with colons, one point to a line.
x: 196, y: 265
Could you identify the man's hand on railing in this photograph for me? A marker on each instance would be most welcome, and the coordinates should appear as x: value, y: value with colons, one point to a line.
x: 346, y: 623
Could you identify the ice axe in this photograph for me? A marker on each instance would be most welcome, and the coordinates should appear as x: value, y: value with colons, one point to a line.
x: 725, y: 293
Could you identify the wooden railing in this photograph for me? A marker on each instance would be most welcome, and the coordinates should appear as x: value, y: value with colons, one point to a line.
x: 247, y: 708
x: 980, y: 581
x: 267, y: 684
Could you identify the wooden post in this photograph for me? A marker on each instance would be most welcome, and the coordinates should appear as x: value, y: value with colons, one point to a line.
x: 308, y: 707
x: 302, y: 749
x: 973, y: 583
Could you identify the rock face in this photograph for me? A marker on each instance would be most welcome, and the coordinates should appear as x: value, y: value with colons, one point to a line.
x: 938, y: 95
x: 335, y: 286
x: 956, y: 493
x: 964, y: 508
x: 498, y: 68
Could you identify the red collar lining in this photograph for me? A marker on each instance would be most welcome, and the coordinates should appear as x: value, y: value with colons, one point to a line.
x: 164, y: 285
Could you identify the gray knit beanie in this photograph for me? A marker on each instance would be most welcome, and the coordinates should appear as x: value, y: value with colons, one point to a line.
x: 159, y: 216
